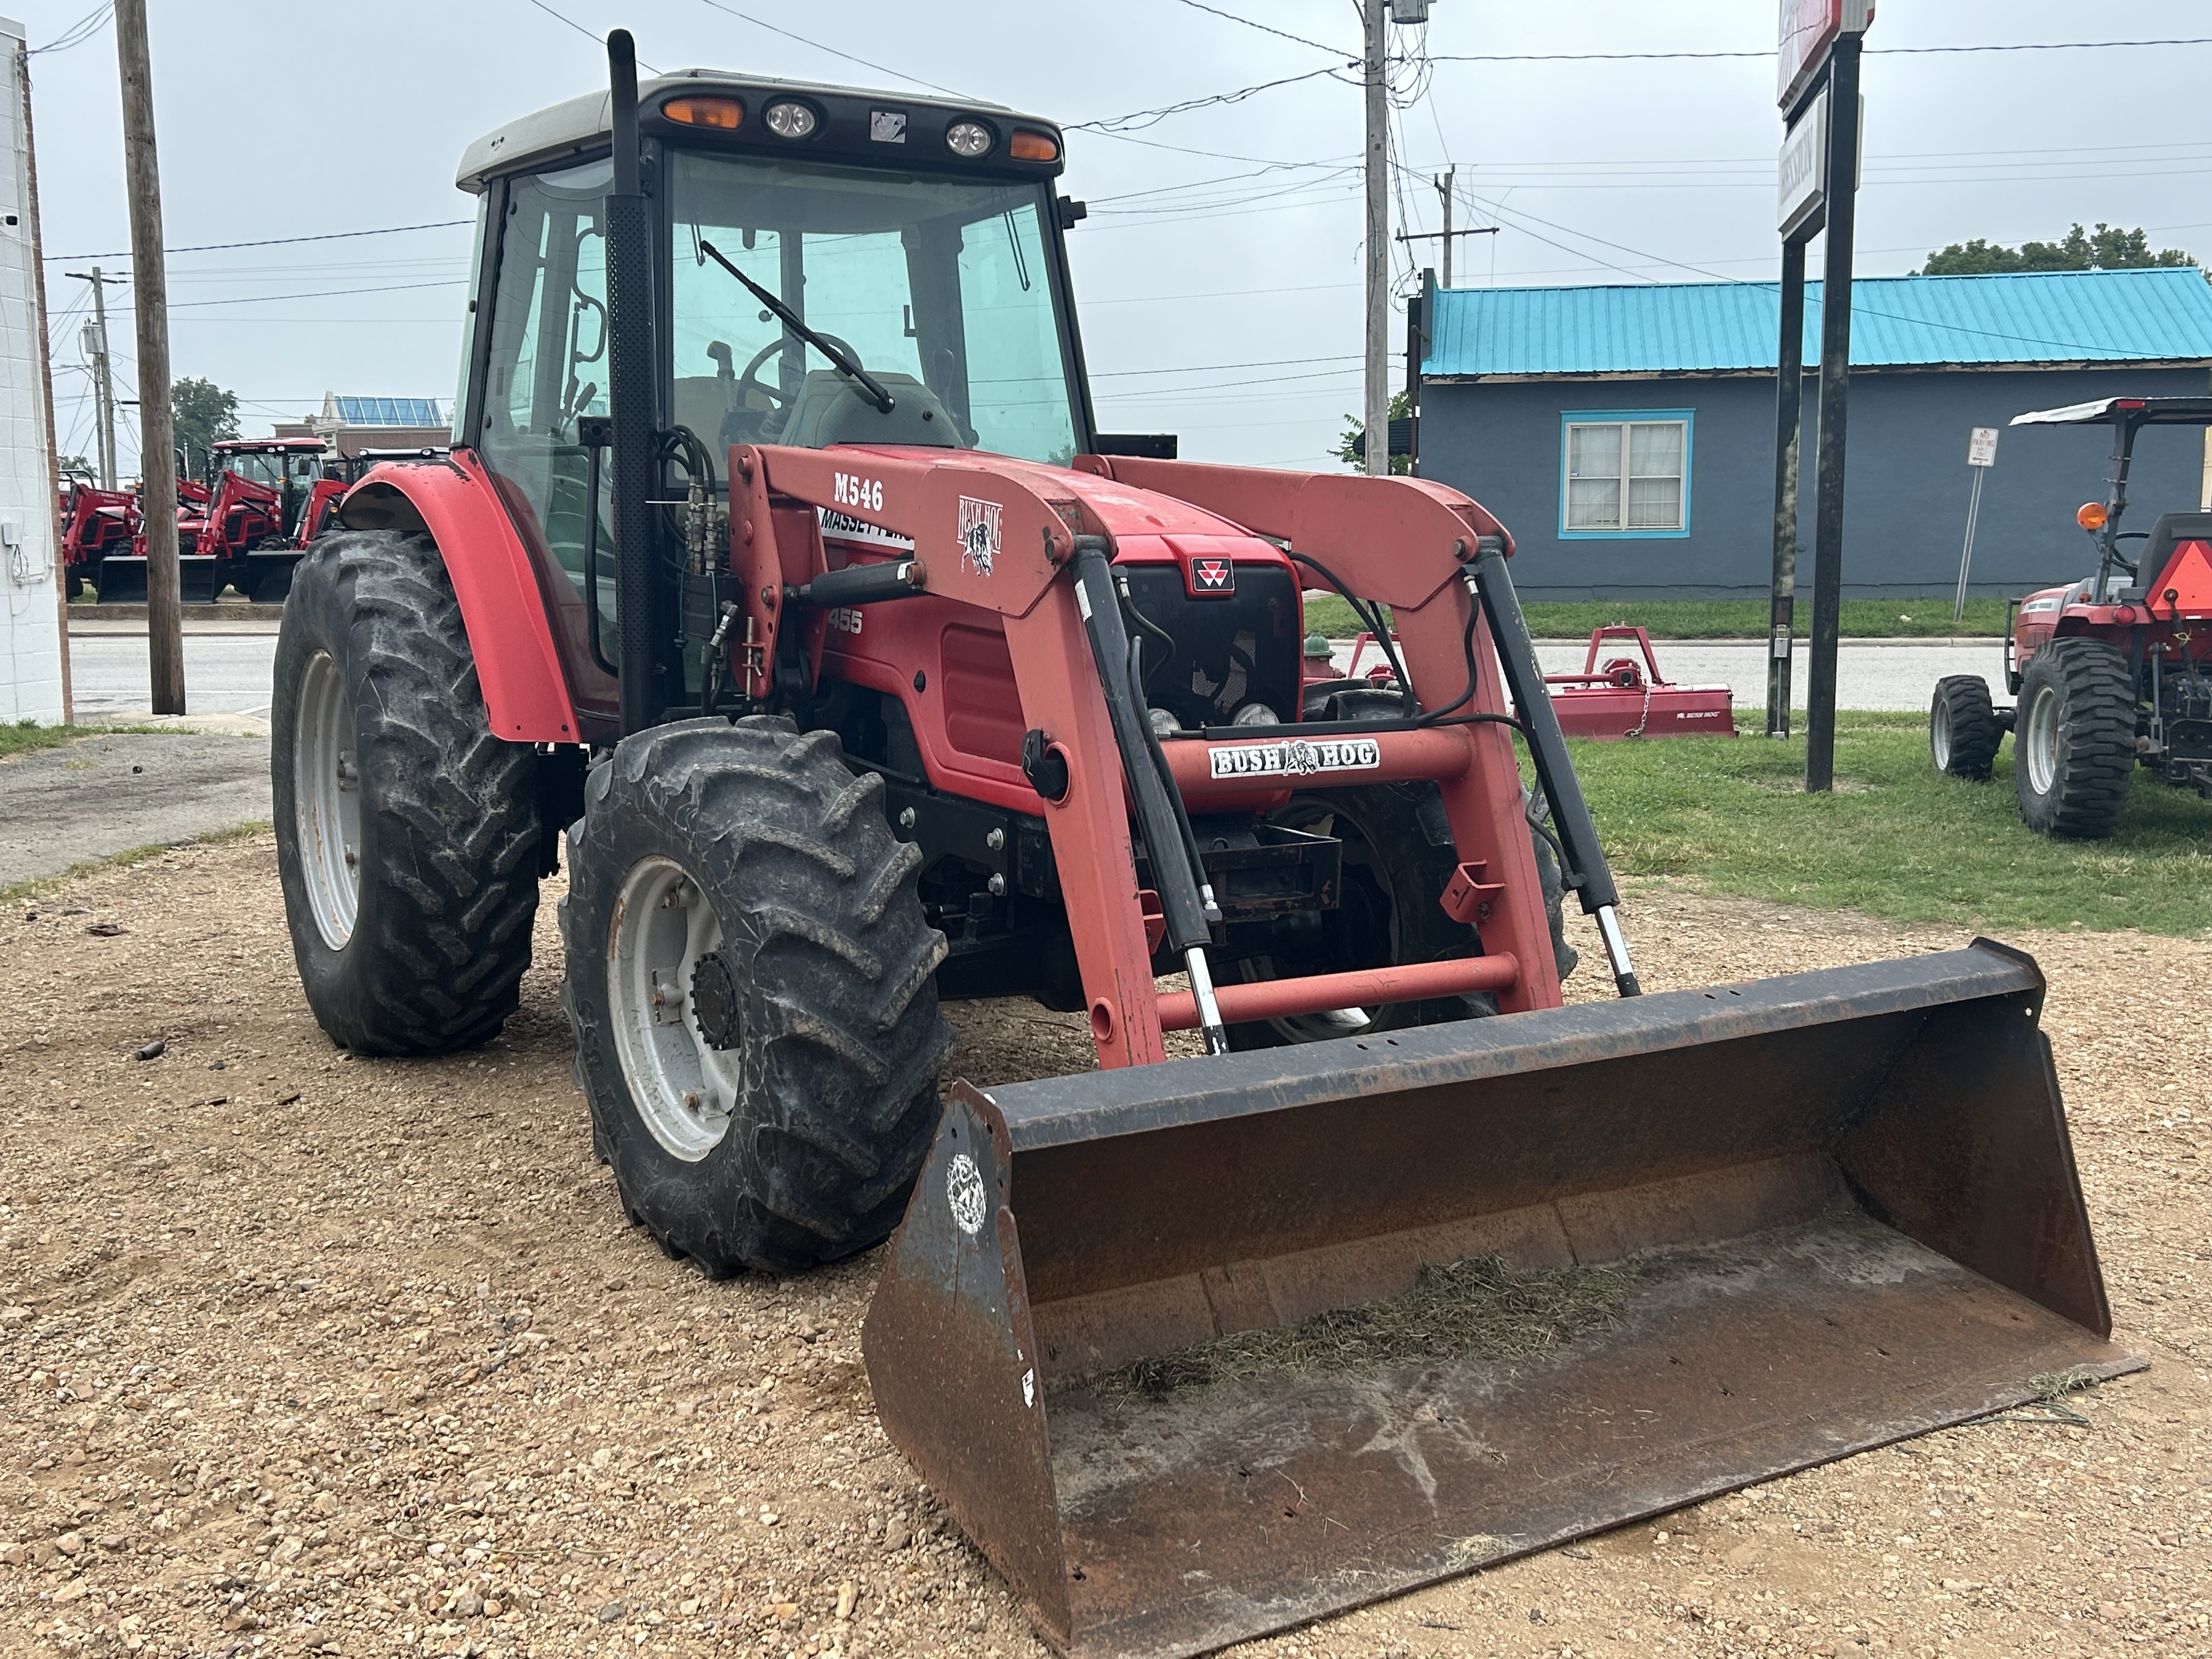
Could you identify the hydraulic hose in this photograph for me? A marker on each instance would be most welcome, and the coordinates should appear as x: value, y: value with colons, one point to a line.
x: 1181, y: 903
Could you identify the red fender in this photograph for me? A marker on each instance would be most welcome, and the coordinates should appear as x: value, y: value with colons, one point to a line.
x: 452, y: 499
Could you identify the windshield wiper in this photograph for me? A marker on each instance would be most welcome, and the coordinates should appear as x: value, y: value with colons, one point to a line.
x: 790, y: 320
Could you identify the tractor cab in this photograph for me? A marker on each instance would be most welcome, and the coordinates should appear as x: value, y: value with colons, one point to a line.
x: 288, y: 468
x: 831, y: 266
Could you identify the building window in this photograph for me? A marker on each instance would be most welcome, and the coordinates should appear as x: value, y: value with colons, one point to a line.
x: 1625, y: 472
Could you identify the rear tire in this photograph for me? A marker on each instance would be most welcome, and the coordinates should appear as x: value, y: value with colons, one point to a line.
x: 1963, y: 728
x: 752, y: 990
x: 2073, y: 743
x: 407, y: 834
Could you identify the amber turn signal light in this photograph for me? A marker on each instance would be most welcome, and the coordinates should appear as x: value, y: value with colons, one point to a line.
x: 2091, y: 515
x: 1029, y: 146
x: 723, y: 114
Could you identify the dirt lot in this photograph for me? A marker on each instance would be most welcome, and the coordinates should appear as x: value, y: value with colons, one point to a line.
x: 303, y: 1353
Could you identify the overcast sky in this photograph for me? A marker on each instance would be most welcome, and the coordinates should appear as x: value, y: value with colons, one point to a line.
x: 1219, y: 272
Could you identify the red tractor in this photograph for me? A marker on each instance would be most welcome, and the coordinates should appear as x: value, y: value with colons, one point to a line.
x: 96, y: 523
x: 2112, y: 673
x: 243, y: 525
x: 779, y: 584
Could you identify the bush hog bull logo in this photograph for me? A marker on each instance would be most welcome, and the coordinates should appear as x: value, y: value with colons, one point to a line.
x: 1294, y: 758
x: 1212, y: 576
x: 979, y: 534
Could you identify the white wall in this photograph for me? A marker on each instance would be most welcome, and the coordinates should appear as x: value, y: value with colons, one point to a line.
x: 30, y: 622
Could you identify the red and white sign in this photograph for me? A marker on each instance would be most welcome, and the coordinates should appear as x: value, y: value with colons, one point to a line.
x: 1808, y: 28
x: 1982, y: 446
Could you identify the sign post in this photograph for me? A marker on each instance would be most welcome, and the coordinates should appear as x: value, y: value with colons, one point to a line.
x: 1981, y: 456
x: 1817, y: 63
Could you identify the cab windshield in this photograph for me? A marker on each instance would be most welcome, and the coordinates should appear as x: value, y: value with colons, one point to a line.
x: 255, y: 465
x: 939, y: 288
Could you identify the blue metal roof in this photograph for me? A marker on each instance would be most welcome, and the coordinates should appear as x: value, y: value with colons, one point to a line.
x: 390, y: 411
x: 2158, y: 315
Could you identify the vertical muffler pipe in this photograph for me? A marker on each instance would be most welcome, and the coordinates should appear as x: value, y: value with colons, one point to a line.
x: 630, y: 403
x: 1587, y: 872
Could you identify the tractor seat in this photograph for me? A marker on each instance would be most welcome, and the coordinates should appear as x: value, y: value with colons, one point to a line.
x: 831, y: 410
x: 2172, y: 532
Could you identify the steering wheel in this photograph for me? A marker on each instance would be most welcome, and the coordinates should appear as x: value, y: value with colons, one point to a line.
x: 740, y: 396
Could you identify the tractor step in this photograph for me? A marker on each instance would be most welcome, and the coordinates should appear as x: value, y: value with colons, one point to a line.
x: 1201, y: 1350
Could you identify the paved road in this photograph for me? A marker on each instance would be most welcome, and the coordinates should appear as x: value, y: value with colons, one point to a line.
x: 225, y: 673
x: 228, y: 672
x: 102, y: 796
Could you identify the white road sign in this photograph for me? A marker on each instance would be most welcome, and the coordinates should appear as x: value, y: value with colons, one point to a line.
x: 1981, y: 448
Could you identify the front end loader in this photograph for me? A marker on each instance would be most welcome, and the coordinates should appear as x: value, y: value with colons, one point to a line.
x: 779, y: 583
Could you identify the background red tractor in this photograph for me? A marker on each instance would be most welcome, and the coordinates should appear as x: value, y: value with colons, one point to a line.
x: 95, y: 524
x: 779, y: 583
x: 242, y: 525
x: 2112, y: 673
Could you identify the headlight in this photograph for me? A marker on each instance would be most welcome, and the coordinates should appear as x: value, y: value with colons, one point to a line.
x: 968, y: 138
x: 1164, y: 724
x: 789, y: 119
x: 1255, y: 713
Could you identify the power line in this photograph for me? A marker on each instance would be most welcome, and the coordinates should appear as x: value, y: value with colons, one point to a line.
x: 276, y: 241
x: 1265, y: 28
x: 1140, y: 120
x: 79, y: 32
x: 587, y: 33
x: 879, y: 68
x: 1894, y: 51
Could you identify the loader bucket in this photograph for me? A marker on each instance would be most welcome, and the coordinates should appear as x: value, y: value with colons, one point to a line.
x: 1201, y: 1350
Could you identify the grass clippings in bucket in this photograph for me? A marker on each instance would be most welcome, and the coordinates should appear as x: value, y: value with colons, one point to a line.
x: 1478, y: 1308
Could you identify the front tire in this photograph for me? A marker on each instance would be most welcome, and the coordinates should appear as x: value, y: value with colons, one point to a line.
x: 1963, y: 728
x: 407, y: 834
x: 2074, y: 743
x: 751, y: 986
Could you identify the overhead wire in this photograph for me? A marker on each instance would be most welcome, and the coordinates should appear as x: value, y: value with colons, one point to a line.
x: 79, y: 32
x: 880, y: 69
x: 1265, y: 28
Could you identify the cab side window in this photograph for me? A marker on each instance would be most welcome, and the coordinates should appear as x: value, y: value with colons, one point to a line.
x: 549, y: 363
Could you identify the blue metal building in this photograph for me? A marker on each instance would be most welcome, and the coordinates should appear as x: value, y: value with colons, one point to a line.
x: 1627, y: 434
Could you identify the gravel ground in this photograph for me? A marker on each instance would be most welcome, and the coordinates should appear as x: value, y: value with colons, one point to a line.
x: 310, y: 1354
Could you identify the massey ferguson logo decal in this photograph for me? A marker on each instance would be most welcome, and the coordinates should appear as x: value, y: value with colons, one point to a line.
x: 979, y: 534
x: 1294, y: 758
x: 1212, y: 576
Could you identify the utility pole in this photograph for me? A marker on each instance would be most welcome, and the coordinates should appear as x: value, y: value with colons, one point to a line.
x: 1378, y: 240
x: 94, y: 341
x: 1444, y: 189
x: 157, y: 458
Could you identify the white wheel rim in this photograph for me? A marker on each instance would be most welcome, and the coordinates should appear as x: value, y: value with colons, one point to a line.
x: 2042, y: 745
x: 685, y: 1088
x: 326, y: 794
x: 1939, y: 735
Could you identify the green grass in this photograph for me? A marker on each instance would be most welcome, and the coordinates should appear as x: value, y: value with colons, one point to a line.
x: 24, y: 736
x: 1717, y: 619
x: 1896, y: 839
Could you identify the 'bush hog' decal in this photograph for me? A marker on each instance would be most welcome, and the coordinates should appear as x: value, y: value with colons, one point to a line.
x: 1295, y: 758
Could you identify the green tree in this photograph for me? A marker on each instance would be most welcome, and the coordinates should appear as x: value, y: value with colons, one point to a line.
x: 1348, y: 447
x: 204, y: 413
x: 78, y: 463
x: 2108, y: 248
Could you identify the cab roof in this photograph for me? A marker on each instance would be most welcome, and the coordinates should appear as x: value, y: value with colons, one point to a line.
x: 2132, y: 411
x: 574, y: 129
